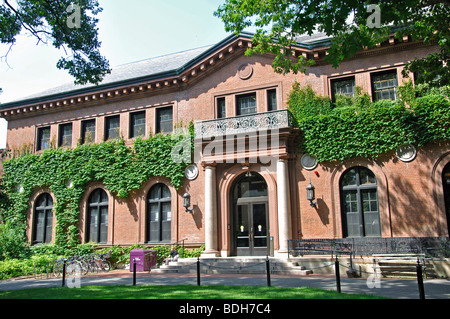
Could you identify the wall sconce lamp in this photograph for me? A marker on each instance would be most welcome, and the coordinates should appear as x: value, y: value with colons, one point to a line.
x: 187, y: 203
x: 311, y: 194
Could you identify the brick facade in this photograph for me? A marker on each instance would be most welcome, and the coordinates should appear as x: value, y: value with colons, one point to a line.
x: 410, y: 194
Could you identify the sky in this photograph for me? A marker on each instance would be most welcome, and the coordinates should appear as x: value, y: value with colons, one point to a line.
x: 130, y: 31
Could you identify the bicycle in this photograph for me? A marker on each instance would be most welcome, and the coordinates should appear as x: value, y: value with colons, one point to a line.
x: 72, y: 267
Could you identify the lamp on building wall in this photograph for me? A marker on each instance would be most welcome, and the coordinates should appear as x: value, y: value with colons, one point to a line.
x: 311, y: 194
x: 187, y: 203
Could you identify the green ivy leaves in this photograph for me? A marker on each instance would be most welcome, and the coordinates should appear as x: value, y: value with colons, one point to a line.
x: 67, y: 172
x: 359, y: 128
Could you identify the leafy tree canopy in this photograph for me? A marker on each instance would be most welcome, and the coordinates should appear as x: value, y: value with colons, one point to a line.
x: 67, y: 24
x: 352, y: 24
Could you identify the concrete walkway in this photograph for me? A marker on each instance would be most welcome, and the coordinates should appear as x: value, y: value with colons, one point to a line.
x: 392, y: 288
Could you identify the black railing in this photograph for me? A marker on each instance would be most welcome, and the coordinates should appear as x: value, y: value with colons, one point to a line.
x: 429, y: 246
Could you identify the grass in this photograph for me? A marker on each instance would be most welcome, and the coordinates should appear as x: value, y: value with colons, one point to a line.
x: 179, y: 292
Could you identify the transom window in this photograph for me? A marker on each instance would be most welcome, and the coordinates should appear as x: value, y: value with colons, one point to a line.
x: 384, y: 86
x: 159, y: 214
x: 359, y: 200
x: 43, y: 220
x: 98, y: 217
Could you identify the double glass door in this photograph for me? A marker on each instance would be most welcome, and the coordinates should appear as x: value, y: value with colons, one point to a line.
x: 250, y: 228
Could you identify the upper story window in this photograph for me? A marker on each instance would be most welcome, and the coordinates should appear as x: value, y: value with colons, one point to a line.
x: 65, y: 135
x: 137, y: 124
x: 43, y: 142
x: 88, y: 131
x: 112, y: 127
x: 164, y: 120
x: 246, y: 104
x: 384, y: 85
x: 345, y: 87
x: 221, y: 108
x: 272, y: 100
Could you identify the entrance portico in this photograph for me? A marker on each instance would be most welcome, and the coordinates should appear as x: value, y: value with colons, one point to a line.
x: 247, y: 193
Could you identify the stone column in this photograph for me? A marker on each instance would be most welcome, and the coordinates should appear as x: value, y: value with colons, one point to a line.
x: 210, y: 213
x: 284, y: 213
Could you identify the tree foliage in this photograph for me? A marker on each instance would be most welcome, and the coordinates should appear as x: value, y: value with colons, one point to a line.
x: 68, y: 24
x: 278, y: 24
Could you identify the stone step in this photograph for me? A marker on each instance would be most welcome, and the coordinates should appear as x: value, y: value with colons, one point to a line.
x: 399, y: 265
x: 242, y: 265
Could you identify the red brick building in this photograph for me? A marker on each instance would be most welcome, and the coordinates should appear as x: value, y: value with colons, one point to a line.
x: 246, y: 197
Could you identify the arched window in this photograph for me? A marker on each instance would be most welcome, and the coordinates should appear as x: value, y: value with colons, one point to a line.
x: 359, y: 200
x: 43, y: 219
x: 98, y: 217
x: 159, y: 214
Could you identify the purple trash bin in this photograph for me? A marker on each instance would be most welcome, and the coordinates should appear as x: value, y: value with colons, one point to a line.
x: 145, y: 259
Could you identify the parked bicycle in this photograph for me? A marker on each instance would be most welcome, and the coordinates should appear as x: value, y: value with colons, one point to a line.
x: 82, y: 265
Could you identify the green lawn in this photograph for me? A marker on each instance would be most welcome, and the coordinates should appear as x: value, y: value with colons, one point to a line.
x: 179, y: 292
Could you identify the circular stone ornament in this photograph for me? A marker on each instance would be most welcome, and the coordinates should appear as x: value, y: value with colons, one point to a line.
x: 191, y: 172
x: 406, y: 153
x: 245, y: 71
x: 309, y: 162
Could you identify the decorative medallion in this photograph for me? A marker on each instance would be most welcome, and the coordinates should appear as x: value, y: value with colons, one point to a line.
x: 245, y: 71
x: 191, y: 172
x: 309, y: 162
x: 406, y: 153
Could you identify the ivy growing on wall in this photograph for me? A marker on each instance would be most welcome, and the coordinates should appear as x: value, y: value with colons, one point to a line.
x: 67, y: 172
x: 356, y: 127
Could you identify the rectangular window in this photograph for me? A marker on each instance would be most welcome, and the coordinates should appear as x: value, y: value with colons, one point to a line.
x: 65, y: 135
x: 112, y: 127
x: 345, y: 87
x: 221, y: 108
x: 246, y: 104
x: 272, y: 100
x: 384, y: 86
x: 164, y: 120
x: 88, y: 132
x: 137, y: 124
x: 43, y: 142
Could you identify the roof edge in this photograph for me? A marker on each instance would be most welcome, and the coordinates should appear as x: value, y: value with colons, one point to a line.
x: 152, y: 77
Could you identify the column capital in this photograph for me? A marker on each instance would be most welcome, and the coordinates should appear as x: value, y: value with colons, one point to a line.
x: 208, y: 165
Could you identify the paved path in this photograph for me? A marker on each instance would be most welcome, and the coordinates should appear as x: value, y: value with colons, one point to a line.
x: 392, y: 288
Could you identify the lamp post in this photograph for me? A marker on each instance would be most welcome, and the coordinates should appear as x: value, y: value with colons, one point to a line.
x: 311, y: 194
x: 187, y: 203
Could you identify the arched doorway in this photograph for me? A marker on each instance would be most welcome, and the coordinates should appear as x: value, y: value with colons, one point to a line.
x: 249, y: 216
x: 446, y: 185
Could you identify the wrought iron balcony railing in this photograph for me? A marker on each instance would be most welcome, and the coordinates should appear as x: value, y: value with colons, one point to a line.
x: 244, y: 124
